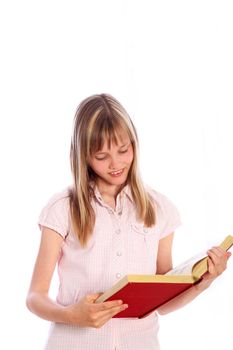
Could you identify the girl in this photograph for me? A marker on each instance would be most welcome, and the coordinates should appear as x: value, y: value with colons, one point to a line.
x: 107, y: 224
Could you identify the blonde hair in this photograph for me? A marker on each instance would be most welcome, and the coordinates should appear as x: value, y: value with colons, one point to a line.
x: 99, y: 118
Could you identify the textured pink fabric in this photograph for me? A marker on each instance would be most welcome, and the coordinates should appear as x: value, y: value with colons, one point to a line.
x: 120, y: 245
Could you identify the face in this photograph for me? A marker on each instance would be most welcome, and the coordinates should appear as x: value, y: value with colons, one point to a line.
x: 112, y: 165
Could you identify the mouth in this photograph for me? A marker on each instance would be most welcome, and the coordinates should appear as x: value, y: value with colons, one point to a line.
x: 116, y: 173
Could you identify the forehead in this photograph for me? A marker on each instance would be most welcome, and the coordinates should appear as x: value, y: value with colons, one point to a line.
x: 107, y: 134
x: 121, y: 139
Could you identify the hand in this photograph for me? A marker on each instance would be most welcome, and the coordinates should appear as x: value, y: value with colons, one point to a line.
x: 217, y: 263
x: 86, y: 313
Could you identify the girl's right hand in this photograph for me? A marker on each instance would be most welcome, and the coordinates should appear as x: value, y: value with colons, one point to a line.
x: 86, y: 313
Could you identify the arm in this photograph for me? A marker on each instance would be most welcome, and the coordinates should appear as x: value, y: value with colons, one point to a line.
x: 164, y: 255
x: 217, y: 262
x: 84, y: 313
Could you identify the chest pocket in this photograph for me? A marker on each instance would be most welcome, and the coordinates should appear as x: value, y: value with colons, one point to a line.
x: 142, y: 230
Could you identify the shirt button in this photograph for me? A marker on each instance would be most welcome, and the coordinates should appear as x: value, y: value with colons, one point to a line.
x: 118, y: 231
x: 145, y: 230
x: 119, y: 253
x: 118, y: 275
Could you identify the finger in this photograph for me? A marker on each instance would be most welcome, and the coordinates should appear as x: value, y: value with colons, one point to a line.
x: 217, y: 264
x: 221, y: 252
x: 218, y: 251
x: 109, y: 313
x: 211, y: 267
x: 114, y: 312
x: 212, y: 256
x: 106, y: 315
x: 107, y: 305
x: 118, y: 309
x: 90, y: 298
x: 216, y: 256
x: 108, y: 308
x: 110, y: 304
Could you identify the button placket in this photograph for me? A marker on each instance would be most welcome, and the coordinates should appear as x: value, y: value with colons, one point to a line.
x: 117, y: 248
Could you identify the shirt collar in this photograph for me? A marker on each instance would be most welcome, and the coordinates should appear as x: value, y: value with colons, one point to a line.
x: 126, y: 190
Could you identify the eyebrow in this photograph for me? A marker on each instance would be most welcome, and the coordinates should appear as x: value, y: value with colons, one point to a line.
x: 99, y: 153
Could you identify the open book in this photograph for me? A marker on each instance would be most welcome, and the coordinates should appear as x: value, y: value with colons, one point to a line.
x: 145, y: 293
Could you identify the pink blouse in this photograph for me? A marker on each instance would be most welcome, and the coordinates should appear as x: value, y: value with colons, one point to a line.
x: 120, y: 245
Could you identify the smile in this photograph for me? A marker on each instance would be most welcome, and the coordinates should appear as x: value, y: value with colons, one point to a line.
x: 116, y: 173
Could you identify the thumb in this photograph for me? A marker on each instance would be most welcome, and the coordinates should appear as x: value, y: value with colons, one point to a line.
x: 90, y: 298
x: 228, y: 255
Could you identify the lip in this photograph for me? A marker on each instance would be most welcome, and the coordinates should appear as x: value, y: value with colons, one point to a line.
x: 118, y: 174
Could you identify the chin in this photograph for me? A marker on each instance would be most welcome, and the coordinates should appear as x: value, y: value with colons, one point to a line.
x: 118, y: 181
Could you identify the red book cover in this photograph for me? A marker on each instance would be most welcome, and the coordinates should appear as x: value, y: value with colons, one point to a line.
x: 145, y: 293
x: 142, y: 298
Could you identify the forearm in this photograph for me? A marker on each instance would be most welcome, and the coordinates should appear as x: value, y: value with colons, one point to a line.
x: 46, y: 308
x: 184, y: 298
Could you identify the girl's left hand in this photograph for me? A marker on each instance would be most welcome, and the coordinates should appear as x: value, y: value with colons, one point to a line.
x: 217, y: 263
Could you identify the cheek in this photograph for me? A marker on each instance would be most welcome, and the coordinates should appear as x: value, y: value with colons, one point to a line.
x: 98, y: 167
x: 130, y: 157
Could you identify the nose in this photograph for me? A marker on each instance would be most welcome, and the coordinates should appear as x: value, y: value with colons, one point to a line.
x: 113, y: 163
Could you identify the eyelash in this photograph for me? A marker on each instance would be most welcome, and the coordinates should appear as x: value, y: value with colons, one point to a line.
x: 106, y: 157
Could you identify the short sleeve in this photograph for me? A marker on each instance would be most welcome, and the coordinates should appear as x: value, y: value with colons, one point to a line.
x: 55, y: 214
x: 168, y: 216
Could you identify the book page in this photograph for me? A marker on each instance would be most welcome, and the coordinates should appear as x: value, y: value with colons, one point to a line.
x: 186, y: 267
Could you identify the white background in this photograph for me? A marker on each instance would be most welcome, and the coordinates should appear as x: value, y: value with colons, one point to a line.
x: 170, y: 64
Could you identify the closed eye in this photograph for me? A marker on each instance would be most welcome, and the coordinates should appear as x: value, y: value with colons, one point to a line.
x: 123, y: 151
x: 101, y: 158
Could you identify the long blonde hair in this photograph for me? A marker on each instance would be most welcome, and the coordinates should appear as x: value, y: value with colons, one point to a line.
x: 99, y: 118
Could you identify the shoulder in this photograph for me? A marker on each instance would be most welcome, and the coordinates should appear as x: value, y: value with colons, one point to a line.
x: 55, y: 213
x: 161, y: 201
x: 58, y: 199
x: 167, y: 213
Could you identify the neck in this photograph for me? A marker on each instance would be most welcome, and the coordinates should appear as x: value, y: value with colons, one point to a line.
x: 109, y: 190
